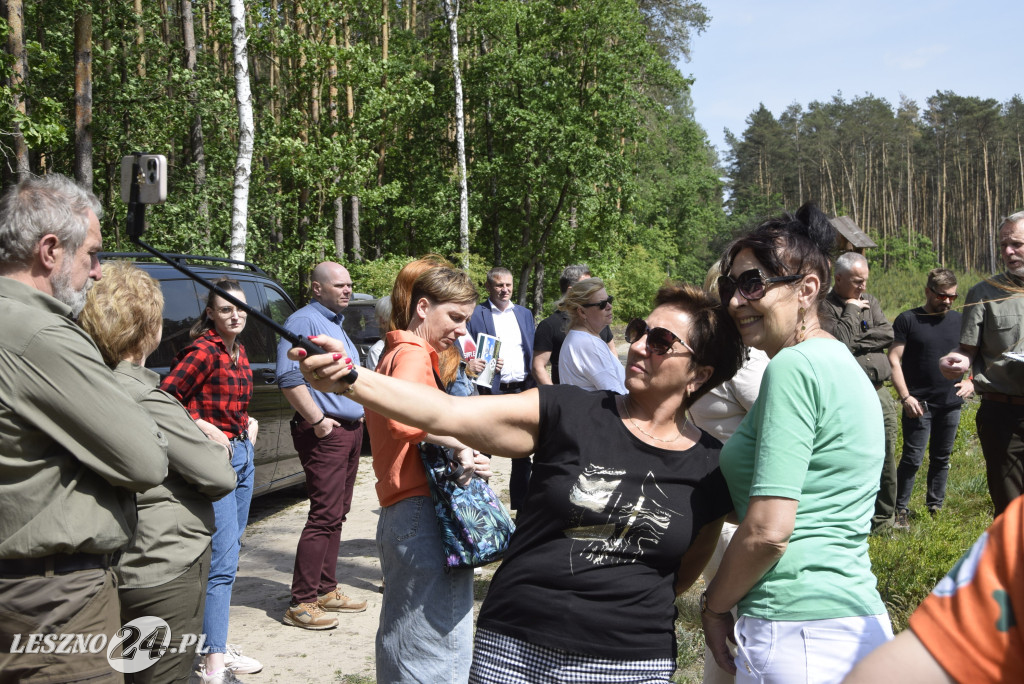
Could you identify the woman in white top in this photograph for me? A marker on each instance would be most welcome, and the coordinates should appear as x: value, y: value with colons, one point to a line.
x: 586, y: 360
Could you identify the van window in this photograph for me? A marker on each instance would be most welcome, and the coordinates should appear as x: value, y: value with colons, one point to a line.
x: 181, y: 309
x: 259, y: 340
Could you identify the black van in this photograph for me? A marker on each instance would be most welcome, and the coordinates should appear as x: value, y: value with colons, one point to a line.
x: 277, y: 463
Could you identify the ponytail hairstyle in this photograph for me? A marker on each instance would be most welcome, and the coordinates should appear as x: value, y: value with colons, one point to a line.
x: 790, y: 244
x: 204, y: 323
x: 401, y: 299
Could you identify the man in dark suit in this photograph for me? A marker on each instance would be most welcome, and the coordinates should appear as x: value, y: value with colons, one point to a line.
x: 514, y: 326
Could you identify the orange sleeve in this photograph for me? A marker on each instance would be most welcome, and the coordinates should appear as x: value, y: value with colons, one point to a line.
x: 969, y: 622
x: 411, y: 364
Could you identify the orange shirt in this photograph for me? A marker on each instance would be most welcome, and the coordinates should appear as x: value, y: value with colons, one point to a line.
x: 396, y: 460
x: 970, y: 623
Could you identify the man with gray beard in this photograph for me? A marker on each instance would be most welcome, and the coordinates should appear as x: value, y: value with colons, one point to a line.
x: 993, y: 325
x: 74, y: 447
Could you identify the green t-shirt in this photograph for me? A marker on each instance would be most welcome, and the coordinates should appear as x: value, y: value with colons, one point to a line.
x: 815, y: 435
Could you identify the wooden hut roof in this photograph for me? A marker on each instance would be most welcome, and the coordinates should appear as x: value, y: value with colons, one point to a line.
x: 857, y: 238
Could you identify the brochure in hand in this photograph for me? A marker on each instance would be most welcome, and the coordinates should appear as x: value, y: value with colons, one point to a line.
x: 487, y: 348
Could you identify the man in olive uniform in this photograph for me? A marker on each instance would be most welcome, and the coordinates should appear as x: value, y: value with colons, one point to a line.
x: 74, y: 447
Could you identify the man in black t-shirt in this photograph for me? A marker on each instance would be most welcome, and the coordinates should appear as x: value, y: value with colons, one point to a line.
x: 931, y: 403
x: 550, y: 333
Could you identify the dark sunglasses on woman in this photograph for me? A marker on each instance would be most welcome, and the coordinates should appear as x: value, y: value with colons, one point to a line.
x: 659, y: 340
x: 602, y: 305
x: 752, y: 285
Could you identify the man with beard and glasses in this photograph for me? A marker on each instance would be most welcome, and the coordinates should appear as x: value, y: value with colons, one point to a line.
x: 931, y: 403
x: 74, y: 447
x: 991, y: 345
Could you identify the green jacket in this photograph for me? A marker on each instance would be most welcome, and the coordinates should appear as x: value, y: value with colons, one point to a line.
x: 73, y: 446
x: 993, y: 321
x: 865, y: 332
x: 175, y: 517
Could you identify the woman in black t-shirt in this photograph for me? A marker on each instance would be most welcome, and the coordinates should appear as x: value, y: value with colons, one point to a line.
x: 624, y: 508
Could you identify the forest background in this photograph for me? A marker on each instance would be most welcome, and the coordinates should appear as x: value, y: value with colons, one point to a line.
x: 580, y: 141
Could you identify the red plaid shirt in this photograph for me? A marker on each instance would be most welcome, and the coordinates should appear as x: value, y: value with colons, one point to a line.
x: 210, y: 386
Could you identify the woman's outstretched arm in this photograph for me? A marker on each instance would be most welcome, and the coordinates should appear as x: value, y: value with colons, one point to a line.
x: 504, y: 425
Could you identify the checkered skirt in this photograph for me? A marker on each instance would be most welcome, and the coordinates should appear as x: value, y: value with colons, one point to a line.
x: 500, y: 659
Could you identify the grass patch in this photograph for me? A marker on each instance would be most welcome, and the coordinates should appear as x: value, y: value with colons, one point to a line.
x: 908, y: 565
x: 355, y: 679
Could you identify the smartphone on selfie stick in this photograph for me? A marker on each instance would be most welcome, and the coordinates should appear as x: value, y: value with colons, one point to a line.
x: 144, y: 181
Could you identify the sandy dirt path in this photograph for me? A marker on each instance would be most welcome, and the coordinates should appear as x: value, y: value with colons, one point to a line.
x: 261, y: 592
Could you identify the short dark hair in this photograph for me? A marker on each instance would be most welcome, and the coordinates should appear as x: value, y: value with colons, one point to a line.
x: 941, y: 277
x: 790, y: 244
x: 497, y: 271
x: 570, y: 274
x: 714, y: 338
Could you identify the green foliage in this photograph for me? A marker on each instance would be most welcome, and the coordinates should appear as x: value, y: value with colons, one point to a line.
x: 909, y: 565
x: 581, y: 142
x: 377, y: 277
x: 908, y: 251
x: 635, y: 283
x: 901, y: 290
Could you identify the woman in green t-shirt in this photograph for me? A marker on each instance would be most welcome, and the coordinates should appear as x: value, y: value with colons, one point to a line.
x: 802, y: 470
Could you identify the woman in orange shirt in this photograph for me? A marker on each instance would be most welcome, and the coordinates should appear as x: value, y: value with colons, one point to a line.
x: 426, y: 621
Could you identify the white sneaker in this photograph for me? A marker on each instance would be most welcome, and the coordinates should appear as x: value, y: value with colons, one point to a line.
x: 238, y: 663
x: 223, y: 676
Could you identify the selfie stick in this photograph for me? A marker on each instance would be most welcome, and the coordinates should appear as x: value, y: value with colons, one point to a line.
x: 137, y: 225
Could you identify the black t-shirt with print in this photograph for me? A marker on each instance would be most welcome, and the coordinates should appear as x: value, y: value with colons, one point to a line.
x: 591, y: 567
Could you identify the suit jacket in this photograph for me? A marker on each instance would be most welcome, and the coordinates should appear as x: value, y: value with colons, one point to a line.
x: 482, y: 321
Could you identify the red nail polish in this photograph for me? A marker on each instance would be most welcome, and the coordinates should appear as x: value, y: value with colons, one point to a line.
x: 337, y: 357
x: 302, y: 352
x: 309, y: 337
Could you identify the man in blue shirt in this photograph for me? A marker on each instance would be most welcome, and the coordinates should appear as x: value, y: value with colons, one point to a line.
x: 327, y: 431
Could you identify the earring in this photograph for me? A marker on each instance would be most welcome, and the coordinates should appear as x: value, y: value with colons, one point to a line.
x: 802, y: 332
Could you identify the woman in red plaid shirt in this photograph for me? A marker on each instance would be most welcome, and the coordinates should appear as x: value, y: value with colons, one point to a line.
x: 211, y: 377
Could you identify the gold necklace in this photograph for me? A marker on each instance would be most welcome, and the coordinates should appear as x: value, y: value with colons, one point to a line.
x: 625, y: 408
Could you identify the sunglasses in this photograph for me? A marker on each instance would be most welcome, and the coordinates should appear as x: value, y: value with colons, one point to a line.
x: 602, y: 305
x: 659, y: 340
x: 752, y: 285
x: 948, y: 297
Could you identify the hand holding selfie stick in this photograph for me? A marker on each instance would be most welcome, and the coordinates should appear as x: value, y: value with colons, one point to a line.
x: 136, y: 225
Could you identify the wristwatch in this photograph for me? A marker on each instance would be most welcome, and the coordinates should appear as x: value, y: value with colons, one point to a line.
x: 704, y: 606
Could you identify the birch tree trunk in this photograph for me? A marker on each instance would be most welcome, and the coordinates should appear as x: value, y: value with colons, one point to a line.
x: 246, y: 133
x: 83, y: 97
x: 451, y: 13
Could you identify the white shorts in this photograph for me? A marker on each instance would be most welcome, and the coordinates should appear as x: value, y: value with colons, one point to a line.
x: 811, y: 652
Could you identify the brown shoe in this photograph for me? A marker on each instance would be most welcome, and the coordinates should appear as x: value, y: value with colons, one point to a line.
x: 336, y: 602
x: 309, y: 616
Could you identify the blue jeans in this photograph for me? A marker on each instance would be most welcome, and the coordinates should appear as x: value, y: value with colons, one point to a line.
x: 940, y: 425
x: 426, y: 617
x: 230, y: 514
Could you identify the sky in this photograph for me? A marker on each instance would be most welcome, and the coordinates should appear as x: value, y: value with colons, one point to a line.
x: 778, y: 52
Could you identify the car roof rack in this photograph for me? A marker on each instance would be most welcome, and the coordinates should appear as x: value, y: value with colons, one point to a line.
x: 185, y: 259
